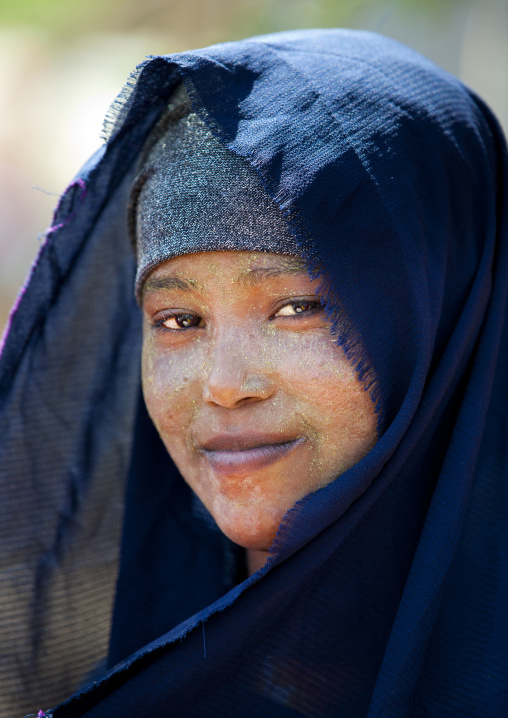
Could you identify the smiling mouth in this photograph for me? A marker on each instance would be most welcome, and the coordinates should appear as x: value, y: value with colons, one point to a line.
x: 235, y: 460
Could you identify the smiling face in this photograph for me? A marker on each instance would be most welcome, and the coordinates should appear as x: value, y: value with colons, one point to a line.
x: 251, y: 395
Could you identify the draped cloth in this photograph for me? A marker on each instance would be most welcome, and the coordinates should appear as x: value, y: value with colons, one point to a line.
x: 386, y: 592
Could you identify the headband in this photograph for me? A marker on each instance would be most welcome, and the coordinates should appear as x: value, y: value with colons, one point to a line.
x: 192, y: 194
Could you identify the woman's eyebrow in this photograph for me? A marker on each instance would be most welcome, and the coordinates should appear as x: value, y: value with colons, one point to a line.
x: 254, y: 276
x: 155, y: 284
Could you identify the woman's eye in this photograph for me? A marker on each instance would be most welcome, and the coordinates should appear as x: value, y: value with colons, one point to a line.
x: 293, y: 308
x: 180, y: 321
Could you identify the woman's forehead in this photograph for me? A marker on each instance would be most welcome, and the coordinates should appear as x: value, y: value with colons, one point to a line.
x: 189, y: 271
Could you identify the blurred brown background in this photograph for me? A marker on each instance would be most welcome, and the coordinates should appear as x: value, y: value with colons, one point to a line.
x: 62, y: 62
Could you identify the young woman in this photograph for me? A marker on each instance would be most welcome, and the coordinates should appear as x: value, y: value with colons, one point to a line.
x: 304, y: 513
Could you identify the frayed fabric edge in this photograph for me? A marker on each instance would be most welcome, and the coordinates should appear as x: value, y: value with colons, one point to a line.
x: 119, y: 108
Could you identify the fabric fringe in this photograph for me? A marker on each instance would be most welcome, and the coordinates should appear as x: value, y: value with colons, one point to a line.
x: 119, y: 108
x: 349, y: 339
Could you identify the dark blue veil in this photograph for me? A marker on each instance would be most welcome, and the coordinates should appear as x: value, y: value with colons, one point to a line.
x: 386, y: 594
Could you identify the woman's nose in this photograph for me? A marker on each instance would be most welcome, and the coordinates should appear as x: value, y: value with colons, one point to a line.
x: 237, y: 373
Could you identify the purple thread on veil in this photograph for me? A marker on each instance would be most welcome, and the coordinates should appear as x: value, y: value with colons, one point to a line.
x: 79, y: 182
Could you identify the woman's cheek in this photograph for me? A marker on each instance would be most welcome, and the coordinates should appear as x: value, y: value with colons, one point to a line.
x: 339, y: 413
x: 314, y: 363
x: 171, y: 383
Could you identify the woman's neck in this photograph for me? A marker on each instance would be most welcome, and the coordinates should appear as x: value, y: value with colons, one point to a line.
x: 255, y: 560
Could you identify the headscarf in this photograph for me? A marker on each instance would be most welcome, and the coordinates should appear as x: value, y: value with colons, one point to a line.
x: 385, y: 593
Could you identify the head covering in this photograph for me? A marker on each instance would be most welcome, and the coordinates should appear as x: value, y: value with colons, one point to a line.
x: 385, y: 595
x: 194, y: 195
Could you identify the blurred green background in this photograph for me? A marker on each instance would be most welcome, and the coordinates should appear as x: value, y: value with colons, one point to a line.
x: 62, y: 62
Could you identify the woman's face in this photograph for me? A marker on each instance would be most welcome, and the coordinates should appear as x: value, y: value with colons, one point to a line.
x: 251, y: 395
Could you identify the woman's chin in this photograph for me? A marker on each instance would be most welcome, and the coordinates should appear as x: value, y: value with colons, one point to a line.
x: 252, y: 529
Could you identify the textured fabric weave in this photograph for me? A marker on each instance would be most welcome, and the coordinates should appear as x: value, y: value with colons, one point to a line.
x: 194, y: 195
x: 386, y: 593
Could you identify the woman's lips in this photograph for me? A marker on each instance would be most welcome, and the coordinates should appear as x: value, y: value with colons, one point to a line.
x: 234, y: 454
